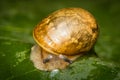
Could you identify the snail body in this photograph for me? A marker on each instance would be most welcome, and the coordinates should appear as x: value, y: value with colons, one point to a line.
x: 70, y: 32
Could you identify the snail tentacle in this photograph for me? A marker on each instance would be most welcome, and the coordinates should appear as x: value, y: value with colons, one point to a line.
x: 47, y: 59
x: 65, y: 58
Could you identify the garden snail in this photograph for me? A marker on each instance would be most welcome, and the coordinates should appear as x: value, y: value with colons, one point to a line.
x: 62, y: 37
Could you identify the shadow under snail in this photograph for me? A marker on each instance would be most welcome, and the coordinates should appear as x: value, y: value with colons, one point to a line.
x: 62, y: 37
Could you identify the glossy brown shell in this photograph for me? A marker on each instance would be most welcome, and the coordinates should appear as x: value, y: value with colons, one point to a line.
x: 68, y: 31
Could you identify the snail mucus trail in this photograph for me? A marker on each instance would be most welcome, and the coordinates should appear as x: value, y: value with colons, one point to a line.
x: 62, y: 37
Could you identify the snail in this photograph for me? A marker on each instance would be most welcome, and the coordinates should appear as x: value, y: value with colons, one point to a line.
x: 62, y: 37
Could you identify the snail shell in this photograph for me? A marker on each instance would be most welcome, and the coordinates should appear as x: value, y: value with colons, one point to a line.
x: 68, y: 31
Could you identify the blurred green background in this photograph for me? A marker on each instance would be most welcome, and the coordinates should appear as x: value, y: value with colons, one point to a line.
x: 18, y: 18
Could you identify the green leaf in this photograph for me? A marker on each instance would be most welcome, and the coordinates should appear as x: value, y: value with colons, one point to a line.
x: 16, y: 65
